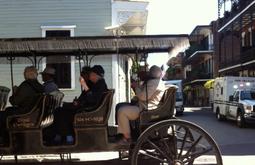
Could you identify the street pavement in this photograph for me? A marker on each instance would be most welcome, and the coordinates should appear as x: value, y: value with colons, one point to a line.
x: 236, y: 144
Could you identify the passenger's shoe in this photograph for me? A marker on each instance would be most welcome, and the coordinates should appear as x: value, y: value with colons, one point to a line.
x: 124, y: 142
x: 118, y: 136
x: 69, y: 140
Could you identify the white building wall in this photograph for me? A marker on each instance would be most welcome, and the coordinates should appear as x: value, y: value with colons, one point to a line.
x: 121, y: 12
x: 83, y: 23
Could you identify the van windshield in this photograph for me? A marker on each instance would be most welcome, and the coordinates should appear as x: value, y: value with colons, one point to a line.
x: 178, y: 96
x: 248, y: 95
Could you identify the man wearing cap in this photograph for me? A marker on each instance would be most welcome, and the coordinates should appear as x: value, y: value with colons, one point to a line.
x: 47, y: 77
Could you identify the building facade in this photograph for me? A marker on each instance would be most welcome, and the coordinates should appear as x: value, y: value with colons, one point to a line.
x: 64, y: 18
x: 234, y: 33
x: 198, y: 66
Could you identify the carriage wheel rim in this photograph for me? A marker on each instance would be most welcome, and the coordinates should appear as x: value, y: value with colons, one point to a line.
x: 178, y: 160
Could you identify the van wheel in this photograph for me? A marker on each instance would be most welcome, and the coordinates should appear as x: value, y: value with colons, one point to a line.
x: 240, y: 120
x: 218, y: 115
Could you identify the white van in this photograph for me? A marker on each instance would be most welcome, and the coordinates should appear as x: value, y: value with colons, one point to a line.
x: 234, y: 98
x: 179, y: 108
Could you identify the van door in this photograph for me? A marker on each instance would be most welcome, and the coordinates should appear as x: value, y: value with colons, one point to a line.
x: 233, y: 105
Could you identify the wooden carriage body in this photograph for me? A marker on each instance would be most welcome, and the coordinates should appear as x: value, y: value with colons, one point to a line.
x: 155, y: 127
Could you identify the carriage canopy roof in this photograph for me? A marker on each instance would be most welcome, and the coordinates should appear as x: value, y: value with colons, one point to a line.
x: 90, y: 45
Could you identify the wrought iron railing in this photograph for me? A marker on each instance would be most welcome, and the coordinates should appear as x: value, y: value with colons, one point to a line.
x: 247, y: 54
x: 237, y: 7
x: 196, y: 75
x: 202, y: 46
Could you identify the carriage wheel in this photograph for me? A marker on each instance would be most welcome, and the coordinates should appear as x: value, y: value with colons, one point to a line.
x: 175, y: 142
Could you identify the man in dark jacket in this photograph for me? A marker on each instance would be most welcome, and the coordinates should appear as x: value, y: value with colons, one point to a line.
x: 91, y: 96
x: 24, y: 97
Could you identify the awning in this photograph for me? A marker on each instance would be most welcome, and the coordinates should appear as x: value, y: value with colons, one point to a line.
x: 90, y: 45
x: 209, y: 84
x: 136, y: 23
x: 187, y: 88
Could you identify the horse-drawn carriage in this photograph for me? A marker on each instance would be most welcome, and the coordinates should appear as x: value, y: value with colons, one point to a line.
x: 159, y: 138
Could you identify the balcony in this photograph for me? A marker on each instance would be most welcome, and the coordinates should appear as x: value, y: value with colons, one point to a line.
x: 199, y: 73
x: 193, y: 76
x: 247, y: 55
x: 195, y: 47
x: 236, y: 8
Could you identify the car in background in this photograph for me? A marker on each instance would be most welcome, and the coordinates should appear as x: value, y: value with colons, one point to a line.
x: 179, y: 108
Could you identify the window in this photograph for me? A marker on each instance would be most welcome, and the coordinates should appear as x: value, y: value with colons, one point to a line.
x: 63, y: 69
x: 58, y: 33
x: 253, y: 36
x: 243, y: 39
x: 64, y: 65
x: 236, y: 96
x: 250, y: 37
x: 247, y: 95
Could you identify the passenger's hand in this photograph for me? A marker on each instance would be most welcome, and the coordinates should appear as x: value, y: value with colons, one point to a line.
x: 82, y: 81
x: 75, y: 103
x: 84, y: 84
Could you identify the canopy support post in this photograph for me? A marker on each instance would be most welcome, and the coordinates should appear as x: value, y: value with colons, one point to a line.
x: 146, y: 85
x: 79, y: 59
x: 11, y: 68
x: 35, y: 60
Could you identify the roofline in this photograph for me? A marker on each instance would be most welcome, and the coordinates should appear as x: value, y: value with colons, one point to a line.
x: 96, y: 37
x: 200, y: 52
x: 199, y: 26
x: 237, y: 65
x: 93, y: 45
x: 231, y: 67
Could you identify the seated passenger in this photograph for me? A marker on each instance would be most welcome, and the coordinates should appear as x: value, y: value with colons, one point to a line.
x: 93, y: 88
x: 85, y: 75
x: 152, y: 89
x: 47, y: 77
x: 90, y: 96
x: 24, y: 97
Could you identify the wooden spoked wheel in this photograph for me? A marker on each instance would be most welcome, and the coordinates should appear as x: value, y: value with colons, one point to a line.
x: 175, y: 142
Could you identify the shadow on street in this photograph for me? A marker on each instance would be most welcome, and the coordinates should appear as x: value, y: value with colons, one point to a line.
x: 231, y: 139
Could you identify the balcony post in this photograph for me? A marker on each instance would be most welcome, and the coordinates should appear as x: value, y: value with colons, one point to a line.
x: 241, y: 36
x: 251, y: 25
x: 232, y: 43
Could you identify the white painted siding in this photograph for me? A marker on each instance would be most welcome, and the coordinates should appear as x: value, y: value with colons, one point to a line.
x: 23, y: 18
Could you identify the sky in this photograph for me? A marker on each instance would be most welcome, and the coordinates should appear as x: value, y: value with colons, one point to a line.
x: 178, y: 17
